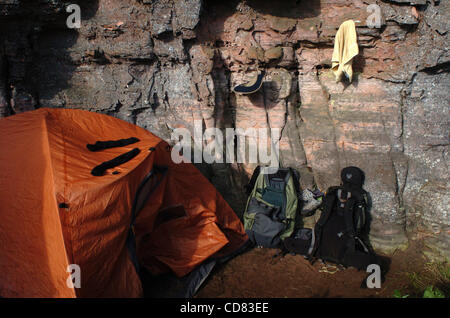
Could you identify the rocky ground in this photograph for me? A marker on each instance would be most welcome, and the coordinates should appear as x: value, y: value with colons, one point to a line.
x: 258, y: 274
x: 163, y: 64
x: 263, y: 273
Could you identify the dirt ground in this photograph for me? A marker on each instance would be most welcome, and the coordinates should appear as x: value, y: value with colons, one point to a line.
x: 257, y: 274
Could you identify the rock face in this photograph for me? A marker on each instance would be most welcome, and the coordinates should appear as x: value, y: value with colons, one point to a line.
x: 166, y: 64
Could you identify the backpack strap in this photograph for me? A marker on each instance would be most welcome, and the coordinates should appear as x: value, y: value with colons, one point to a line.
x: 328, y: 204
x: 313, y: 242
x: 364, y: 210
x: 349, y: 228
x: 249, y: 187
x: 295, y: 179
x: 348, y: 217
x: 359, y: 210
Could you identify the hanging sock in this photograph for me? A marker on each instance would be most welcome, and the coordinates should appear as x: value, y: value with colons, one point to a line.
x: 345, y: 49
x: 101, y: 168
x: 250, y: 87
x: 101, y: 145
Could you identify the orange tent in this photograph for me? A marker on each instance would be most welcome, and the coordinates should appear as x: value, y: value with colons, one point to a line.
x: 145, y: 211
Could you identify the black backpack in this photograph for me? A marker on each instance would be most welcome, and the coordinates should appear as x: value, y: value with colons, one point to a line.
x: 342, y: 228
x: 340, y: 233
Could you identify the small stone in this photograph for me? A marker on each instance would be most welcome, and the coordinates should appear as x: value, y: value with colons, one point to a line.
x: 274, y: 53
x: 246, y: 25
x: 255, y: 53
x: 283, y: 25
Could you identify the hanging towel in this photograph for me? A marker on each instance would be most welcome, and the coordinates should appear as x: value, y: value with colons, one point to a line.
x: 345, y: 49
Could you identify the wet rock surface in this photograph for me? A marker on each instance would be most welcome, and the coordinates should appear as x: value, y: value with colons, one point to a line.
x: 164, y: 64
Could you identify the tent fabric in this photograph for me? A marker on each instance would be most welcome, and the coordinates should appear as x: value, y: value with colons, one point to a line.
x: 54, y: 212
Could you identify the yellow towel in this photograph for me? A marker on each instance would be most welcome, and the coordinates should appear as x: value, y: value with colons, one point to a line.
x: 345, y: 49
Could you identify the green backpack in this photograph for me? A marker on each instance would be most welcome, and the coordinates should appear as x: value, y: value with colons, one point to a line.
x: 271, y: 212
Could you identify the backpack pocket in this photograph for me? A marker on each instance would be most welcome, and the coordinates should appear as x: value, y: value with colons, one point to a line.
x: 302, y: 242
x: 258, y: 206
x: 265, y: 232
x: 263, y: 229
